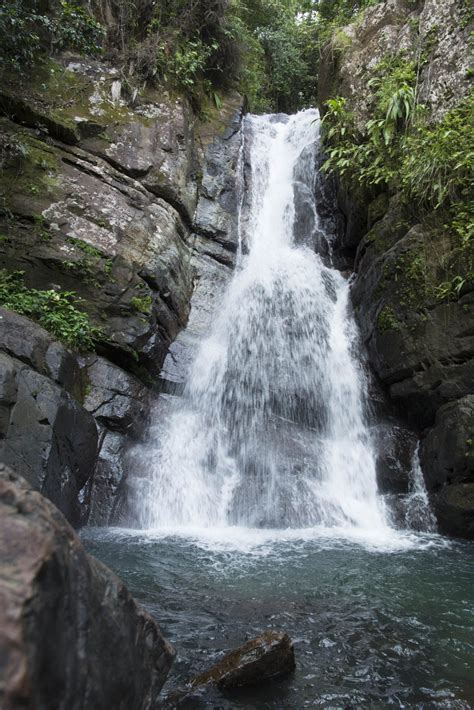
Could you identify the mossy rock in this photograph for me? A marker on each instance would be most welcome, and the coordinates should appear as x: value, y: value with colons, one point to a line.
x: 29, y: 178
x: 68, y: 105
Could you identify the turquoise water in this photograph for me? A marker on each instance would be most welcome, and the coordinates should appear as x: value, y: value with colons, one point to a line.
x: 376, y: 623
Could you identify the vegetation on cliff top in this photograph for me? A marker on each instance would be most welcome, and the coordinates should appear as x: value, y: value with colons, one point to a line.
x: 267, y: 49
x: 400, y: 150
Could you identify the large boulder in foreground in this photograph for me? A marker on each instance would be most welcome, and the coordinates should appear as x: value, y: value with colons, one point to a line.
x: 71, y: 635
x: 268, y: 656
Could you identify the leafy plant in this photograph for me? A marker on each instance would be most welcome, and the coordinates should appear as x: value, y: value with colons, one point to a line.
x: 57, y: 311
x: 371, y: 156
x: 75, y: 28
x: 141, y: 304
x: 451, y: 290
x: 438, y: 161
x: 32, y: 28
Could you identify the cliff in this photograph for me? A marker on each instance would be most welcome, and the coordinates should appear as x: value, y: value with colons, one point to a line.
x: 413, y: 292
x: 107, y: 201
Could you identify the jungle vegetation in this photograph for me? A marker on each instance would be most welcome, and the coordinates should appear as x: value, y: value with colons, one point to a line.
x: 266, y: 49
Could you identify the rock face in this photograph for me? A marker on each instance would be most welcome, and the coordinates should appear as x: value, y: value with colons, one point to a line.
x: 268, y: 656
x: 420, y: 345
x: 127, y: 206
x: 71, y: 636
x: 448, y: 461
x: 67, y: 421
x: 421, y: 348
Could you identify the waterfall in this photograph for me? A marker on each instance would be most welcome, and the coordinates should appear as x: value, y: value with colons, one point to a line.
x: 271, y: 431
x: 417, y: 509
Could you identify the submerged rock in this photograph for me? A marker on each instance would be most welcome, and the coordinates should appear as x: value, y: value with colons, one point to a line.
x: 71, y: 635
x: 263, y: 658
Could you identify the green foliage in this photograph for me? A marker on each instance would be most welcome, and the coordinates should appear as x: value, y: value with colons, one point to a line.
x: 290, y: 60
x: 371, y: 155
x: 438, y: 161
x: 141, y: 304
x: 267, y: 49
x: 85, y: 247
x: 398, y: 148
x: 75, y: 28
x: 56, y: 311
x: 387, y: 320
x: 334, y: 14
x: 451, y: 290
x: 88, y: 268
x: 32, y: 28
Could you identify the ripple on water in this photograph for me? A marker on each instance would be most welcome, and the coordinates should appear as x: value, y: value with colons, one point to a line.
x: 377, y: 623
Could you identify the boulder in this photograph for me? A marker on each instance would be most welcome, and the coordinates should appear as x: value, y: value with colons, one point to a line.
x: 46, y: 436
x: 454, y: 508
x: 447, y: 452
x: 395, y: 447
x: 447, y: 458
x: 71, y: 635
x: 420, y: 345
x: 121, y: 406
x: 264, y: 658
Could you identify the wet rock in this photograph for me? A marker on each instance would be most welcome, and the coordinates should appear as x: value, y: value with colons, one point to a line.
x: 447, y: 452
x: 422, y: 348
x: 28, y: 342
x: 211, y: 280
x: 121, y: 406
x: 454, y: 508
x: 264, y: 658
x: 395, y: 447
x: 118, y: 401
x: 46, y: 435
x: 217, y: 206
x: 447, y: 458
x: 45, y: 389
x: 71, y: 635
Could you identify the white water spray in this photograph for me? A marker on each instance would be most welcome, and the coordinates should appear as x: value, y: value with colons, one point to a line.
x: 271, y: 429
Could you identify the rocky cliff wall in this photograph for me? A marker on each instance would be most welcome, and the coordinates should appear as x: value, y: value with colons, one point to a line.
x: 127, y: 204
x: 420, y: 346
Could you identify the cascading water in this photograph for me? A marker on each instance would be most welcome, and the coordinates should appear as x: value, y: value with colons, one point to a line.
x: 258, y: 491
x: 271, y: 431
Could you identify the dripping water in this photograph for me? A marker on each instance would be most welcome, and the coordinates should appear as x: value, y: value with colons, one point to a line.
x: 417, y: 508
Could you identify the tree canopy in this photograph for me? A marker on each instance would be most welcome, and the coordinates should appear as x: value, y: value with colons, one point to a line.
x: 267, y: 49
